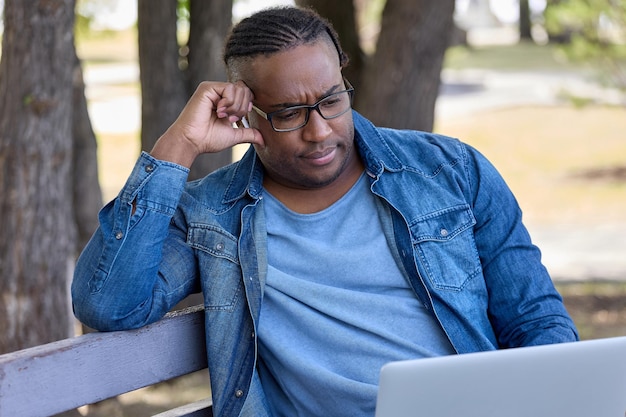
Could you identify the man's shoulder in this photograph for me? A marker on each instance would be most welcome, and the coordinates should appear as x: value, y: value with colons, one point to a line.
x: 401, y: 143
x: 419, y: 139
x: 415, y: 150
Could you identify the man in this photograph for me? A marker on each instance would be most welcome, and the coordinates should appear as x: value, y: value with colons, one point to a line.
x: 330, y: 249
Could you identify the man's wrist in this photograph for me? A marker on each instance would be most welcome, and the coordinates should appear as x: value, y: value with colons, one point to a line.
x: 175, y: 148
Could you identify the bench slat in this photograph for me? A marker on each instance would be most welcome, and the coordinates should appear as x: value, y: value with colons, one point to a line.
x: 200, y: 408
x: 60, y: 376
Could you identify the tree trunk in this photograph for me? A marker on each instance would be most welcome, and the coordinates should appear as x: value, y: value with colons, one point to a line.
x: 209, y: 24
x: 87, y: 194
x: 37, y: 248
x: 163, y: 93
x: 342, y: 15
x: 167, y: 79
x: 525, y: 24
x: 402, y: 83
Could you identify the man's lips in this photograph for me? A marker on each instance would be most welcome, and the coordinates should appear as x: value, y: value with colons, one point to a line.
x: 321, y: 157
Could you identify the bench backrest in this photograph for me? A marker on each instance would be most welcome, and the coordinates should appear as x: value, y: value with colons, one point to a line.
x: 60, y: 376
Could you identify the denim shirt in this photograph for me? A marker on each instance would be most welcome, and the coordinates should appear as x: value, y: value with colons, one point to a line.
x: 457, y: 230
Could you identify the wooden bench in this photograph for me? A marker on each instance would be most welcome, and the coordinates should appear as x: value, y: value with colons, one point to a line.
x: 61, y: 376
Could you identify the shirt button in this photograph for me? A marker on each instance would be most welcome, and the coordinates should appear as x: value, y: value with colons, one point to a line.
x: 443, y: 232
x: 252, y: 335
x: 239, y: 393
x: 149, y: 168
x: 119, y: 235
x: 219, y: 246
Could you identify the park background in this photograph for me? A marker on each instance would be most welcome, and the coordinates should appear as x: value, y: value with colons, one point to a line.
x: 551, y: 127
x: 555, y: 132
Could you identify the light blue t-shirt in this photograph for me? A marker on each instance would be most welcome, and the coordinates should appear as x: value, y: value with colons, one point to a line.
x: 336, y: 308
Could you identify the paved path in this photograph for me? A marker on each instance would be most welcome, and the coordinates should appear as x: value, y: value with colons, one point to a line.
x: 584, y: 254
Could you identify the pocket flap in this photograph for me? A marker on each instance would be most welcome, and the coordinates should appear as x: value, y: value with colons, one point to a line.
x: 443, y: 225
x: 213, y: 240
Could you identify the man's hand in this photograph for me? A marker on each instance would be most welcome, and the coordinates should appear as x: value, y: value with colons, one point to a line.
x: 206, y: 123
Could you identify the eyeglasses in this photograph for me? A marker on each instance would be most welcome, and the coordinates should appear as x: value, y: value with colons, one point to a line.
x: 295, y: 117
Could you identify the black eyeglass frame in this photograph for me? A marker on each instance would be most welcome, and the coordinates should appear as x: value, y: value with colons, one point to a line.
x: 268, y: 116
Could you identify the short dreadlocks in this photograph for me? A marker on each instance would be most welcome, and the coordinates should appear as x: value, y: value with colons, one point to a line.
x: 274, y: 30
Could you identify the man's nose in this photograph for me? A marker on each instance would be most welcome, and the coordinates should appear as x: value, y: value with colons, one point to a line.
x: 317, y: 128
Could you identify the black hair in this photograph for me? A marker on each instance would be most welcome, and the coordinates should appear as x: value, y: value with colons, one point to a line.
x: 277, y: 29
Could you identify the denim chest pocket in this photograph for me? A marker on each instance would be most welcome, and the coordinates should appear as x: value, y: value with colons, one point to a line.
x: 218, y: 262
x: 444, y: 246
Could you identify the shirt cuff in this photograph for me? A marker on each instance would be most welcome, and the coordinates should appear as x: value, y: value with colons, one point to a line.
x: 155, y: 184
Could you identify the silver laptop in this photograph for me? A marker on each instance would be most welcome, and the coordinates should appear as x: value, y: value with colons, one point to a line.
x: 580, y: 379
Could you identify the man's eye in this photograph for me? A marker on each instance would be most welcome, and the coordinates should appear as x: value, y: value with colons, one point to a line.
x: 332, y: 101
x: 288, y: 114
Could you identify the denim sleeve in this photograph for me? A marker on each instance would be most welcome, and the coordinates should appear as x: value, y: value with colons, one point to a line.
x: 136, y: 266
x: 524, y: 307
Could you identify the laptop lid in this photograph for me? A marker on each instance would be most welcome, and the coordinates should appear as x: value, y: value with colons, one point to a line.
x: 579, y: 379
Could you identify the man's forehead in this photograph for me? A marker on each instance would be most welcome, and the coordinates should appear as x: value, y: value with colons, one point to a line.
x: 292, y: 63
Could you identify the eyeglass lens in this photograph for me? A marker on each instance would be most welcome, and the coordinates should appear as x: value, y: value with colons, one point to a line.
x: 295, y: 117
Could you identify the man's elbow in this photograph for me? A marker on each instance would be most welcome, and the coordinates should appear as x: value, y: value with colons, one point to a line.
x: 106, y: 317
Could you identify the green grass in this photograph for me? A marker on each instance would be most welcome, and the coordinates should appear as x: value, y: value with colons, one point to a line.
x: 519, y: 57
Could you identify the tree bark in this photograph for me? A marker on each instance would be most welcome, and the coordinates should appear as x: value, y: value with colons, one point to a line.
x: 87, y: 194
x: 167, y: 78
x: 342, y: 15
x: 209, y: 24
x: 163, y: 93
x: 525, y: 25
x: 402, y: 83
x: 37, y: 248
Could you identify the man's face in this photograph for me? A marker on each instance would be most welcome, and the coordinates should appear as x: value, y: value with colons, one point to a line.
x: 322, y: 151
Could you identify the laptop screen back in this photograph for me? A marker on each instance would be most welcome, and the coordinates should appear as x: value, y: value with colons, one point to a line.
x: 580, y: 379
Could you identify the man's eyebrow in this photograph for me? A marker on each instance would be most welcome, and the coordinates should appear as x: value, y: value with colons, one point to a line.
x: 285, y: 105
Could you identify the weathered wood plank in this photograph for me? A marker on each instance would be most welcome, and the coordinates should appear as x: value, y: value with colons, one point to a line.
x: 48, y: 379
x: 200, y: 408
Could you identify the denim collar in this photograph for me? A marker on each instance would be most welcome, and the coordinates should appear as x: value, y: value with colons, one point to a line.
x: 373, y: 148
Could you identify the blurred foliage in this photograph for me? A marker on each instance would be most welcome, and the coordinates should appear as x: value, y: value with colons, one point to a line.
x: 183, y: 10
x: 88, y: 10
x: 86, y: 15
x: 592, y: 31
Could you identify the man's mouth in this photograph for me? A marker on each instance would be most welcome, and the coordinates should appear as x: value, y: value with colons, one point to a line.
x: 321, y: 157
